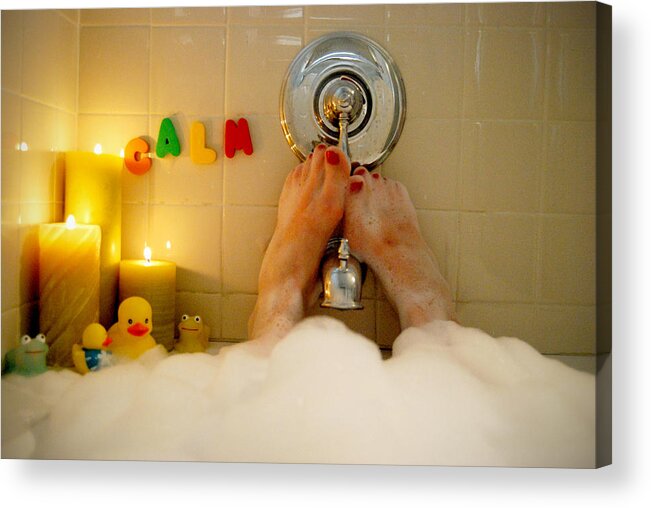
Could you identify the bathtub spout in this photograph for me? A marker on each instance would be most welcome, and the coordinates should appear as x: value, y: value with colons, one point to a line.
x: 342, y: 277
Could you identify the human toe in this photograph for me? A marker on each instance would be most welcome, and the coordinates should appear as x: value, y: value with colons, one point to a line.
x: 315, y: 174
x: 337, y: 165
x: 318, y: 155
x: 298, y: 172
x: 355, y: 184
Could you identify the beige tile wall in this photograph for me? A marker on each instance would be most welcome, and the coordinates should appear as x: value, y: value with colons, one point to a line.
x: 497, y: 150
x: 39, y: 120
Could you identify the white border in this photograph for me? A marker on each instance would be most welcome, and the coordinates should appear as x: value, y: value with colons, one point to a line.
x: 625, y: 483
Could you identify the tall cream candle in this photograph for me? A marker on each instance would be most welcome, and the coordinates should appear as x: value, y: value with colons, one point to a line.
x: 69, y: 267
x: 155, y: 281
x: 93, y: 194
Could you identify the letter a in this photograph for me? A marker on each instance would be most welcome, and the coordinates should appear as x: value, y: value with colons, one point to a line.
x: 168, y: 141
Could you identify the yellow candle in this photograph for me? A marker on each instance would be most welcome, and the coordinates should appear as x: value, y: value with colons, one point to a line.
x: 155, y: 281
x: 68, y: 285
x: 93, y: 194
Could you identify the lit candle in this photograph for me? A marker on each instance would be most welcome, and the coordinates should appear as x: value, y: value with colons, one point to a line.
x: 93, y: 194
x: 68, y: 284
x: 155, y: 281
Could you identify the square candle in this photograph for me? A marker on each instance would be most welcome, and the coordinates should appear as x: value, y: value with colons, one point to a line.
x: 69, y: 281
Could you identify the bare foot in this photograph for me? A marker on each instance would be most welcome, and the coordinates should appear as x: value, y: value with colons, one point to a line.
x: 382, y: 229
x: 310, y: 207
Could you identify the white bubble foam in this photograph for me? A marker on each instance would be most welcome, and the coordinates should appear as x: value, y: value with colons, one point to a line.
x: 449, y: 395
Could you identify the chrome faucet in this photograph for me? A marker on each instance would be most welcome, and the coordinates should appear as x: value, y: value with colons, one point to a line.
x: 342, y: 277
x: 341, y: 272
x: 343, y: 88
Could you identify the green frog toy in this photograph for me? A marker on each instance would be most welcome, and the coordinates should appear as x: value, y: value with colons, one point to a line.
x: 28, y: 359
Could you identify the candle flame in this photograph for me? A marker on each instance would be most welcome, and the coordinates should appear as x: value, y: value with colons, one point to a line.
x: 122, y: 153
x: 147, y: 254
x: 98, y: 149
x: 71, y: 223
x: 168, y: 245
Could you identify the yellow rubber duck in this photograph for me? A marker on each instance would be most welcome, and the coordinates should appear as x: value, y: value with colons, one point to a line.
x: 92, y: 355
x: 131, y: 333
x: 193, y: 335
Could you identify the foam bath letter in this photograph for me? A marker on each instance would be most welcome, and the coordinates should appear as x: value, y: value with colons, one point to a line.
x: 168, y: 141
x: 237, y: 137
x: 199, y: 152
x: 133, y: 156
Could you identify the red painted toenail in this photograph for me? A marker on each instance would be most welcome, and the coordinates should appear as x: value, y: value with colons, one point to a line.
x: 360, y: 171
x: 320, y: 146
x: 376, y: 176
x: 356, y: 186
x: 332, y: 157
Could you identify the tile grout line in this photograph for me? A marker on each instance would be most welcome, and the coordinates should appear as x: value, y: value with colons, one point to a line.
x: 78, y: 56
x: 150, y: 182
x: 376, y: 304
x: 457, y: 290
x: 21, y: 155
x: 226, y: 91
x: 542, y: 178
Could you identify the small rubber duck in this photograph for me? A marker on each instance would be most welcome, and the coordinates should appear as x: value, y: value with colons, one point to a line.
x: 92, y: 355
x: 29, y: 358
x: 131, y: 333
x: 193, y: 335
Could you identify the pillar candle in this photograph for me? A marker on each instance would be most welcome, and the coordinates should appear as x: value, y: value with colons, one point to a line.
x: 69, y: 267
x: 155, y: 281
x: 93, y: 194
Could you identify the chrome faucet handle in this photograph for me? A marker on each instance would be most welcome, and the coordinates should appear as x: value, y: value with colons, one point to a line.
x: 345, y: 102
x: 343, y: 134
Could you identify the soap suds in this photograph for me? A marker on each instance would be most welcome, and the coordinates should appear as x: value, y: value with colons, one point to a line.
x: 449, y: 396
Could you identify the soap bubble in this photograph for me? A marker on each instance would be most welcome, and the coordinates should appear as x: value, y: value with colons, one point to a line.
x: 449, y: 395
